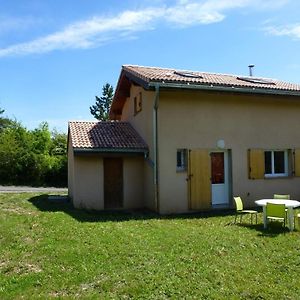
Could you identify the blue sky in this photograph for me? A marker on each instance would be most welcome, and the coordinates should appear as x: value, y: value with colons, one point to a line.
x: 56, y: 55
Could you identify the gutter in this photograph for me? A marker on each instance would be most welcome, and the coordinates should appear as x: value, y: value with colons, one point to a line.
x: 155, y: 147
x: 110, y: 150
x: 223, y: 89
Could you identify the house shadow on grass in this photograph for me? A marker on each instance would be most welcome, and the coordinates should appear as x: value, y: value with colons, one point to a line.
x: 59, y: 203
x: 273, y: 229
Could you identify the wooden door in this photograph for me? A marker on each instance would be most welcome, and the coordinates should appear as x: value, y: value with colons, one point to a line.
x: 113, y: 183
x: 200, y: 183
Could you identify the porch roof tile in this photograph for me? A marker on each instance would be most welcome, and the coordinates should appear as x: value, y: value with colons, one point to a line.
x: 105, y: 135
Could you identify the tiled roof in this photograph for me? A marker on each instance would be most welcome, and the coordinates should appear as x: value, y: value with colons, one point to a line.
x: 164, y: 75
x: 105, y: 136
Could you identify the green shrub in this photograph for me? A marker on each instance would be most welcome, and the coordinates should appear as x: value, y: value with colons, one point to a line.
x: 32, y: 157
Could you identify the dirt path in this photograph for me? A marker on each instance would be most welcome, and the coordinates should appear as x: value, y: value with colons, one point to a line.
x: 29, y: 189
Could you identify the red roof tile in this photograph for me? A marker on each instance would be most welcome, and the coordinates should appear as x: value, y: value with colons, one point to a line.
x: 106, y: 136
x: 164, y: 75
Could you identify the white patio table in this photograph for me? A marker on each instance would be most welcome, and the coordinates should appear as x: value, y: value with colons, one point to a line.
x: 289, y: 204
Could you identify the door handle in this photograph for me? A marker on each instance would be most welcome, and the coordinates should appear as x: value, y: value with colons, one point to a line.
x: 189, y: 177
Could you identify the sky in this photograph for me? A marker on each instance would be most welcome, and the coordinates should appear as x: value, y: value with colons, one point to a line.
x: 55, y: 55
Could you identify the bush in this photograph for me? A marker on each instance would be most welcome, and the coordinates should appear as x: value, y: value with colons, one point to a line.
x: 34, y: 157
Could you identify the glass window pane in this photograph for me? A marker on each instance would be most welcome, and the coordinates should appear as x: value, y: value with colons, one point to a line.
x: 268, y: 162
x: 183, y: 158
x: 217, y: 167
x: 179, y: 159
x: 279, y: 162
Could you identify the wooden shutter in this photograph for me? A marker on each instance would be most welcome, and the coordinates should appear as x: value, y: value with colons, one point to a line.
x: 256, y: 164
x: 297, y: 162
x: 200, y: 184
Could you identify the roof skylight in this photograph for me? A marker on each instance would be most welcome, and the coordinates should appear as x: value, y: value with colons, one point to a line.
x: 188, y: 74
x: 256, y: 80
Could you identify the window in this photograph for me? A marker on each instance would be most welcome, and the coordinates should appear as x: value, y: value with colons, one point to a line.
x: 272, y: 163
x: 181, y: 160
x: 276, y: 163
x: 217, y: 167
x: 138, y: 103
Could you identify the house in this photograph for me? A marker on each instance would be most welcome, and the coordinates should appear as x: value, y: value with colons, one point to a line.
x: 182, y: 141
x: 105, y: 165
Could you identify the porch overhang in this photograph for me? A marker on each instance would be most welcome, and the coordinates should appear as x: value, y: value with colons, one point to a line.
x: 119, y: 151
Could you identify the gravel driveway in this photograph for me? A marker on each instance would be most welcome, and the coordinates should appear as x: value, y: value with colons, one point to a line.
x: 29, y: 189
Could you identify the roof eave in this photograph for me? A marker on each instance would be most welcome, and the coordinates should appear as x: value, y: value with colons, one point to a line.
x: 125, y: 75
x: 111, y: 150
x: 149, y: 84
x: 223, y: 88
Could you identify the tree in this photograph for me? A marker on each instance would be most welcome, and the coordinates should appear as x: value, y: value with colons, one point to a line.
x: 59, y: 143
x: 4, y: 122
x: 32, y: 157
x: 100, y: 110
x: 41, y: 138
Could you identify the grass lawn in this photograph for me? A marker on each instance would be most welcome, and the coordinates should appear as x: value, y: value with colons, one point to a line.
x: 48, y: 249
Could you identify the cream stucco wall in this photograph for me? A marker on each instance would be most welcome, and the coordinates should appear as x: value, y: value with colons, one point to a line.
x: 88, y: 182
x: 143, y: 123
x: 133, y: 180
x: 70, y: 169
x: 194, y: 120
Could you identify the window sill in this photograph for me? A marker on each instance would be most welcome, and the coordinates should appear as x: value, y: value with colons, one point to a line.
x: 180, y: 170
x: 279, y: 177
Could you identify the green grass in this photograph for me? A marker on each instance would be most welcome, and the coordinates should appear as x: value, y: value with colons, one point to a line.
x: 50, y: 250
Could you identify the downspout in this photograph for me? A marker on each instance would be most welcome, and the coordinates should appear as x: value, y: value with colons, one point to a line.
x: 155, y: 147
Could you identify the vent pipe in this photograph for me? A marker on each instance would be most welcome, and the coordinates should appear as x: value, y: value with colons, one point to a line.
x: 250, y: 70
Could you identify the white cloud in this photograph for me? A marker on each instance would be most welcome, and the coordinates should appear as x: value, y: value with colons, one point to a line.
x: 98, y: 30
x: 85, y: 34
x: 292, y: 31
x: 188, y: 13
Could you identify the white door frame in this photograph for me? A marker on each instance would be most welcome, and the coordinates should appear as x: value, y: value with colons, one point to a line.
x: 220, y: 192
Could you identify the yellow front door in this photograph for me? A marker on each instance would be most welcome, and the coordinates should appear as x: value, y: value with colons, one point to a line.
x: 200, y: 183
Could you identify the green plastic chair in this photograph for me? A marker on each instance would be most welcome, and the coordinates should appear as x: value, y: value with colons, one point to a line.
x: 241, y: 211
x: 280, y: 196
x: 275, y: 212
x: 284, y: 197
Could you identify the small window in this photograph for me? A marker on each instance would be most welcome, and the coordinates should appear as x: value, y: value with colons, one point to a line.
x: 276, y: 163
x: 138, y: 103
x: 181, y: 160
